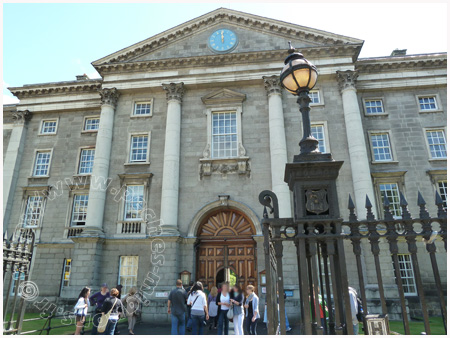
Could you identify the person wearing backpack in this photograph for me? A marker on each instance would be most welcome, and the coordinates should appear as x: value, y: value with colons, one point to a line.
x: 81, y: 308
x: 199, y: 308
x: 114, y: 307
x: 354, y: 309
x: 213, y: 308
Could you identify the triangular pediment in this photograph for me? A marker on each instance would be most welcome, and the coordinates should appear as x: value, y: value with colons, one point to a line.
x: 223, y: 96
x: 255, y: 33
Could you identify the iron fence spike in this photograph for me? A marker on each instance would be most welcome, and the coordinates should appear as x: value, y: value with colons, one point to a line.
x: 368, y: 203
x: 438, y: 199
x: 420, y: 200
x: 385, y: 200
x: 403, y: 201
x: 351, y: 205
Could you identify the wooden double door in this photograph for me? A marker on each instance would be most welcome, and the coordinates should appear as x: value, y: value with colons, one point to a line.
x: 225, y: 260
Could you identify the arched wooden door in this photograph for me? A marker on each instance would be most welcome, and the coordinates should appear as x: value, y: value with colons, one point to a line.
x: 225, y: 242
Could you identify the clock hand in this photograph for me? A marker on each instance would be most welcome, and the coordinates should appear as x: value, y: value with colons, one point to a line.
x: 222, y: 36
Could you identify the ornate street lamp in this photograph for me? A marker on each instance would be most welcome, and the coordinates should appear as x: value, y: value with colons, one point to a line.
x: 298, y: 77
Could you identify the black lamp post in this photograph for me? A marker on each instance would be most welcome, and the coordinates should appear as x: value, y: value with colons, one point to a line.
x: 298, y: 77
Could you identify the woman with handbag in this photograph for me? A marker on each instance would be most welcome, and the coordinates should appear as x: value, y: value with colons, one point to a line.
x: 238, y: 310
x: 111, y: 309
x: 199, y: 308
x: 132, y: 308
x: 251, y: 310
x: 223, y: 302
x: 81, y: 308
x: 212, y: 308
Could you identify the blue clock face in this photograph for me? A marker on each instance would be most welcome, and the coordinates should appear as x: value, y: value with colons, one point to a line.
x: 223, y: 40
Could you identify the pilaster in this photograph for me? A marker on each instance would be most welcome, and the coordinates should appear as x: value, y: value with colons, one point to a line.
x: 278, y: 149
x: 13, y: 158
x: 359, y: 159
x: 171, y: 166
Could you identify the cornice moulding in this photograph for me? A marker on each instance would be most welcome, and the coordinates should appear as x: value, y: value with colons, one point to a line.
x: 55, y: 89
x: 226, y: 59
x: 384, y: 64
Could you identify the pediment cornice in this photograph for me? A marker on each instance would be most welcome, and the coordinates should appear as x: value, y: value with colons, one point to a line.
x: 350, y: 50
x: 232, y: 17
x: 223, y: 95
x: 56, y: 88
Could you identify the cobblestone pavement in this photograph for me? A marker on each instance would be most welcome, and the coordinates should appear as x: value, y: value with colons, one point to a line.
x: 151, y: 329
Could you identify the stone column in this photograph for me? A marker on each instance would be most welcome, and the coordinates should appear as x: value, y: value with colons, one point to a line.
x: 100, y: 170
x: 278, y: 150
x: 359, y: 159
x: 13, y: 157
x: 171, y: 168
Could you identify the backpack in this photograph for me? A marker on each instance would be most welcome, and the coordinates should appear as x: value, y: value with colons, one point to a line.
x: 212, y: 311
x: 360, y: 312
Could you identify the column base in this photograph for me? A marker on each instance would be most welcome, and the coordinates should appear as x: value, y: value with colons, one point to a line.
x: 169, y: 230
x: 92, y: 232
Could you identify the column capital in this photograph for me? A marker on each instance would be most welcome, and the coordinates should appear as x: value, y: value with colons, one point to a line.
x: 346, y: 79
x: 174, y: 91
x: 272, y: 84
x: 21, y: 116
x: 109, y: 96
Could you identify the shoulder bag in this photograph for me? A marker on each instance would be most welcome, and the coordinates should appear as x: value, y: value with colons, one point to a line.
x: 104, y: 319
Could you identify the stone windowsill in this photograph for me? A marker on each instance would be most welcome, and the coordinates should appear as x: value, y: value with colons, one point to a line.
x: 140, y: 116
x: 384, y: 162
x: 136, y: 163
x: 375, y: 115
x: 430, y: 111
x: 437, y: 159
x: 89, y: 131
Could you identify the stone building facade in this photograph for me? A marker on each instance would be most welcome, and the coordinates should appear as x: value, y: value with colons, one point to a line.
x: 153, y: 172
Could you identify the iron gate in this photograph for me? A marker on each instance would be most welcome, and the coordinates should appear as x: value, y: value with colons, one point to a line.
x: 17, y: 255
x: 322, y: 263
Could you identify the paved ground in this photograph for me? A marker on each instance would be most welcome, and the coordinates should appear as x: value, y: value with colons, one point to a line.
x: 149, y: 329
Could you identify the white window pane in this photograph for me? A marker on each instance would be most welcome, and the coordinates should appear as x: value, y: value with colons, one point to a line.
x: 319, y: 134
x: 393, y: 195
x: 128, y: 272
x: 224, y: 135
x: 48, y: 127
x: 143, y: 108
x: 86, y: 161
x: 33, y: 211
x: 374, y: 106
x: 442, y: 186
x: 79, y: 210
x: 92, y: 123
x: 407, y: 274
x: 427, y: 103
x: 138, y: 149
x: 437, y: 143
x: 381, y: 147
x: 42, y: 163
x: 134, y: 201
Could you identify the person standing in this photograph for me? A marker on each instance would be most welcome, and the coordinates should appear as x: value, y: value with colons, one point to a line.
x: 251, y: 310
x: 212, y: 308
x: 115, y: 305
x: 119, y: 288
x: 97, y: 300
x: 354, y: 309
x: 238, y: 310
x: 132, y: 307
x: 176, y: 307
x: 81, y: 308
x: 199, y: 308
x: 223, y: 302
x: 189, y: 319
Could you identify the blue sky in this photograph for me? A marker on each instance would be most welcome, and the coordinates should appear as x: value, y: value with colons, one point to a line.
x: 56, y: 42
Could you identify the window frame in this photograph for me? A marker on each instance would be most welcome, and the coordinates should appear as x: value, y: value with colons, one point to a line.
x: 212, y: 134
x: 364, y: 99
x: 391, y: 146
x: 130, y: 136
x: 120, y: 275
x: 437, y: 100
x: 387, y: 178
x: 90, y: 117
x: 407, y: 294
x: 124, y: 204
x: 80, y: 152
x: 36, y: 151
x: 441, y: 194
x: 321, y: 100
x: 134, y: 106
x: 426, y: 130
x: 24, y: 212
x: 325, y: 133
x: 48, y: 120
x: 73, y: 199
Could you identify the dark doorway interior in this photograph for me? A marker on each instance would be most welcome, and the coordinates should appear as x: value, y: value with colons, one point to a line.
x: 220, y: 277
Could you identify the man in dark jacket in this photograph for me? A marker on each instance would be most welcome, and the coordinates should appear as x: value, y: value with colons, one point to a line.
x: 97, y: 300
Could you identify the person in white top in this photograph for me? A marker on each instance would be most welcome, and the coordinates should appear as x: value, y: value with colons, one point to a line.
x: 223, y: 301
x: 354, y: 309
x: 199, y: 308
x: 81, y: 308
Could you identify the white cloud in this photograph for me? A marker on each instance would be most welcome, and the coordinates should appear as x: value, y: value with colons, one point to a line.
x: 9, y: 99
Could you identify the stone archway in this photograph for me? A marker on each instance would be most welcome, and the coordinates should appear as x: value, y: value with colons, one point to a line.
x: 225, y: 242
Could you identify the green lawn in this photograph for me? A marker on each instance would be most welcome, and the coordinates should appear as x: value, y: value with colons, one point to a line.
x: 416, y: 327
x: 68, y: 328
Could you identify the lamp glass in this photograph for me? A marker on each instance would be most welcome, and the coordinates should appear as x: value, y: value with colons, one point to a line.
x: 303, y: 72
